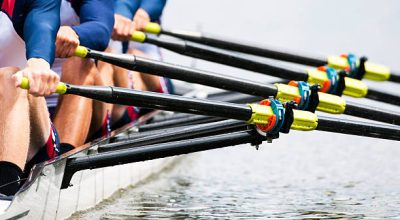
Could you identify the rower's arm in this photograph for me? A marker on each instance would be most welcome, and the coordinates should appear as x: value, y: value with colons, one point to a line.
x: 97, y: 21
x: 154, y: 8
x: 40, y: 29
x: 126, y: 8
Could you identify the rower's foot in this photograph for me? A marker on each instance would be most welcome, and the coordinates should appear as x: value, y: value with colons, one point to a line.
x: 131, y: 114
x: 11, y: 178
x: 104, y: 130
x: 50, y: 150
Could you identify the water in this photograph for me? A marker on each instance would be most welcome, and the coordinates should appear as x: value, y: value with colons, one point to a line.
x: 302, y: 175
x: 285, y: 179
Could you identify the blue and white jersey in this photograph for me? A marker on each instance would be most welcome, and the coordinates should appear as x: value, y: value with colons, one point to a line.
x: 128, y: 8
x: 28, y: 30
x: 93, y: 22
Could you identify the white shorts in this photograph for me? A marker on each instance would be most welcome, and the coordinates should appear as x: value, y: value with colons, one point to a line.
x: 12, y: 47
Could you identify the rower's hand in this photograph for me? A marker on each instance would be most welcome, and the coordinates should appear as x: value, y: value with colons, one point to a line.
x: 42, y: 80
x: 141, y: 19
x: 123, y: 28
x: 66, y: 43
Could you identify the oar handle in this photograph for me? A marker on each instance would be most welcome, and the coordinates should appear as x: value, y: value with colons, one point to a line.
x: 138, y: 36
x: 61, y: 87
x: 152, y: 28
x: 81, y: 51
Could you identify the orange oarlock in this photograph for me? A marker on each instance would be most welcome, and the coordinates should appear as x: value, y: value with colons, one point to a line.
x: 295, y: 84
x: 326, y: 85
x: 272, y: 120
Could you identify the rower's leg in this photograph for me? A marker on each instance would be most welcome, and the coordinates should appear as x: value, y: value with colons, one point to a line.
x: 151, y: 82
x: 14, y: 114
x: 44, y: 143
x: 39, y: 124
x: 101, y: 110
x: 126, y: 79
x: 14, y: 131
x: 74, y: 113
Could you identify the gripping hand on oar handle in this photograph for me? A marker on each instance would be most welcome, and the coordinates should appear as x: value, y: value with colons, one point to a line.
x: 123, y: 28
x: 141, y: 19
x: 66, y: 43
x: 60, y: 88
x: 43, y: 81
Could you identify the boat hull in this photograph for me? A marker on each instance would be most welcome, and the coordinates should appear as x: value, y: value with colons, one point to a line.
x: 43, y: 198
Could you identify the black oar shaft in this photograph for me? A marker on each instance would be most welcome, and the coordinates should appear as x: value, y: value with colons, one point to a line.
x: 226, y: 126
x: 381, y: 115
x: 262, y: 51
x: 186, y: 74
x: 231, y: 59
x: 220, y: 127
x: 235, y: 60
x: 395, y: 78
x: 248, y: 48
x: 383, y: 96
x: 189, y: 120
x: 234, y: 84
x: 162, y: 101
x: 204, y: 77
x: 359, y: 128
x: 156, y: 151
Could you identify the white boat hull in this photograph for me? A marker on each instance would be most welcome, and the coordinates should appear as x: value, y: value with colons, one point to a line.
x: 41, y: 197
x: 45, y: 200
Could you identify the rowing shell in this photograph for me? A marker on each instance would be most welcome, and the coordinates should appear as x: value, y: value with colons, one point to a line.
x: 41, y: 197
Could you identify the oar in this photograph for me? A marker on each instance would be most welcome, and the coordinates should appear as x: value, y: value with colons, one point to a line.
x: 179, y: 133
x: 326, y: 102
x: 221, y: 126
x: 372, y: 71
x: 150, y: 152
x: 162, y: 150
x: 270, y: 116
x: 322, y: 76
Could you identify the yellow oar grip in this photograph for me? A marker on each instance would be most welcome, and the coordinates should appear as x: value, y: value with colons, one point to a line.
x: 354, y: 87
x: 261, y: 114
x: 287, y: 93
x: 61, y: 87
x: 25, y: 83
x: 327, y: 103
x: 331, y: 103
x: 81, y: 51
x: 372, y: 71
x: 304, y: 121
x: 376, y: 72
x: 152, y: 28
x: 138, y: 36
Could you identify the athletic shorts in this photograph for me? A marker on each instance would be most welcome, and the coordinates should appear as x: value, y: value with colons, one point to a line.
x: 50, y: 150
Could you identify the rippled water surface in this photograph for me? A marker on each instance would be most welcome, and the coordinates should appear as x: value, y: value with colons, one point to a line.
x: 281, y: 180
x: 302, y: 175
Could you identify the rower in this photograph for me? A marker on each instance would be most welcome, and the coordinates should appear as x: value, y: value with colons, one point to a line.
x: 130, y: 16
x: 88, y: 23
x: 27, y: 46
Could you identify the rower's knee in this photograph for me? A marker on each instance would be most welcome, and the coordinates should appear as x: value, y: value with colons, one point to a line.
x: 8, y: 90
x: 79, y: 71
